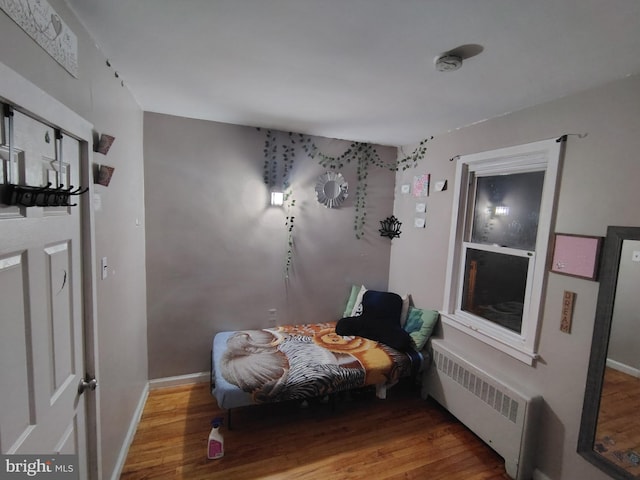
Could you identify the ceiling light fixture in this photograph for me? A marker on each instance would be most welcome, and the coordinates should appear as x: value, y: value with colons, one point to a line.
x: 448, y: 63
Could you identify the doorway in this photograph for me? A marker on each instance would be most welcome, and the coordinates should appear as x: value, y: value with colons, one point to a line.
x: 46, y: 281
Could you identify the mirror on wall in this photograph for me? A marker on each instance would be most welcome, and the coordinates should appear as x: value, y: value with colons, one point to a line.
x: 610, y: 428
x: 331, y: 189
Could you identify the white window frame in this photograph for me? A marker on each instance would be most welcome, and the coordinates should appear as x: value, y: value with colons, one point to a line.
x: 537, y: 156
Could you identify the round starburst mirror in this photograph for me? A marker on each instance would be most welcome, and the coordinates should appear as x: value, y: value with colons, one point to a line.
x: 331, y: 189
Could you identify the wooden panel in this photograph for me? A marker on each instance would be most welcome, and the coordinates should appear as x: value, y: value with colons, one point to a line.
x: 50, y: 175
x: 68, y: 443
x: 60, y: 313
x: 16, y: 394
x: 568, y: 298
x: 18, y: 161
x: 38, y: 140
x: 5, y: 165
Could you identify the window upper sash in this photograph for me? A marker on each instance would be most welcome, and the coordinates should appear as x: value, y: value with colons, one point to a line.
x: 538, y: 156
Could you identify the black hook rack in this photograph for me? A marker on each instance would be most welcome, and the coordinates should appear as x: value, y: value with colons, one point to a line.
x: 48, y: 196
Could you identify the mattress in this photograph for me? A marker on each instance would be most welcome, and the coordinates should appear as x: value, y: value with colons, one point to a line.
x: 295, y: 362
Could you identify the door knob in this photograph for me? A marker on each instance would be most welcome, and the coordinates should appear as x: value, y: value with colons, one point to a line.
x: 87, y: 383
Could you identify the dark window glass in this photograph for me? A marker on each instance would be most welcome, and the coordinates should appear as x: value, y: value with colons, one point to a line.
x: 494, y: 287
x: 507, y: 209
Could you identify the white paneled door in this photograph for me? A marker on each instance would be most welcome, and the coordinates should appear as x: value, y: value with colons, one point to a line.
x: 41, y: 304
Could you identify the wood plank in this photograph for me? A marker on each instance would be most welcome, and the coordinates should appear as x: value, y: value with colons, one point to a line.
x: 402, y: 437
x: 618, y: 429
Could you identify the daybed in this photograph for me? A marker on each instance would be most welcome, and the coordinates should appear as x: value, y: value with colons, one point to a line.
x: 297, y: 362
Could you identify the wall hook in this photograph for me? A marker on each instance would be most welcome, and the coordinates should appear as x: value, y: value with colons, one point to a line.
x: 48, y: 196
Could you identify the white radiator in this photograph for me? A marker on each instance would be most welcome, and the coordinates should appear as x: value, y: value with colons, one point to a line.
x: 501, y: 415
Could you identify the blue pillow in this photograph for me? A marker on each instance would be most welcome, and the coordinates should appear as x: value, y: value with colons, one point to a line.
x: 420, y: 325
x: 353, y: 296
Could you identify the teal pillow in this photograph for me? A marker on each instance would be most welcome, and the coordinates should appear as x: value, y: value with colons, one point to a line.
x: 355, y: 289
x: 420, y: 325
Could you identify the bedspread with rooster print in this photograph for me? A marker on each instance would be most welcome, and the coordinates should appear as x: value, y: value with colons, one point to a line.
x: 295, y: 362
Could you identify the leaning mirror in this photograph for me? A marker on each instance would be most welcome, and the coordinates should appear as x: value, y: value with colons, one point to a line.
x: 331, y: 189
x: 610, y: 430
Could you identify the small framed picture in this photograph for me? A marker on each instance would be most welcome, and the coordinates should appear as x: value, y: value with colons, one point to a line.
x: 576, y: 255
x: 104, y: 175
x: 104, y: 144
x: 421, y: 185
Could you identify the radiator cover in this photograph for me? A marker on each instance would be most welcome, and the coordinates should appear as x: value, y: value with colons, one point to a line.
x: 502, y: 415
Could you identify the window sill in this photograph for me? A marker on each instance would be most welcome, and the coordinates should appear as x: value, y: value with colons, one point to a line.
x: 519, y: 352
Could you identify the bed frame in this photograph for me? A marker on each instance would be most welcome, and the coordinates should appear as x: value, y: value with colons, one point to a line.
x: 301, y: 362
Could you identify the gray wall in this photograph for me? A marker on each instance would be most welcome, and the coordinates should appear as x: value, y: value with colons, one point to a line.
x: 235, y: 288
x: 623, y: 344
x: 599, y: 188
x: 216, y: 250
x: 99, y: 97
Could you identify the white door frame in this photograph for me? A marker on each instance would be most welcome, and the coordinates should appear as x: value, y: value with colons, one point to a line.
x: 18, y: 91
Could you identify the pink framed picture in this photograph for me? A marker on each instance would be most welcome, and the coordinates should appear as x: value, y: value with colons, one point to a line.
x: 576, y: 255
x: 105, y: 173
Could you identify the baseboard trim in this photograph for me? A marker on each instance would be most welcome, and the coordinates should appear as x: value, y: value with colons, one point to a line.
x: 621, y: 367
x: 200, y: 377
x: 154, y: 384
x: 131, y: 432
x: 538, y: 475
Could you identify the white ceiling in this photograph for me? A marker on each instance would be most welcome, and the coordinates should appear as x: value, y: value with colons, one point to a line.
x: 360, y: 69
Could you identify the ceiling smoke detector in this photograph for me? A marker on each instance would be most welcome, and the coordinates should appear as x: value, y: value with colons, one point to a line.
x: 448, y: 63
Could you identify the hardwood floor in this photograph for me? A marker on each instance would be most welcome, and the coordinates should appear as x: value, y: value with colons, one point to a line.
x: 362, y: 437
x: 618, y: 430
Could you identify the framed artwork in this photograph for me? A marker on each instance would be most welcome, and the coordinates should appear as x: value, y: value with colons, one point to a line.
x: 42, y: 23
x: 105, y: 173
x: 421, y: 185
x: 576, y: 255
x: 105, y: 143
